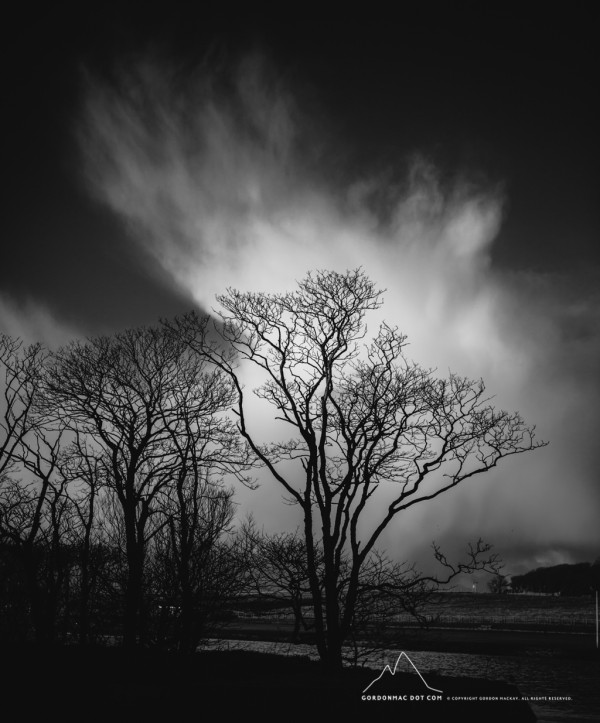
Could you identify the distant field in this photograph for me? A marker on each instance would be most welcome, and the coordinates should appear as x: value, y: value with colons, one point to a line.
x: 511, y: 610
x: 465, y: 603
x: 487, y: 610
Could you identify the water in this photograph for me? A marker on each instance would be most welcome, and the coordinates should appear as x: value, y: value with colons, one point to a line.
x: 535, y: 675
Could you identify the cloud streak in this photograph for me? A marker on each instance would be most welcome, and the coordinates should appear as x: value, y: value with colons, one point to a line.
x: 224, y: 182
x: 32, y: 323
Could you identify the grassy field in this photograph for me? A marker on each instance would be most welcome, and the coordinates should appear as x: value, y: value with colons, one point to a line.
x: 482, y: 609
x: 464, y: 622
x: 486, y: 608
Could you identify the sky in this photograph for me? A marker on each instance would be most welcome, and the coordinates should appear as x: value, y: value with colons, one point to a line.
x: 155, y: 157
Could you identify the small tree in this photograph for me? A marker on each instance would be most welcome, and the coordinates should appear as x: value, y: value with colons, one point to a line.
x: 388, y: 588
x: 87, y: 472
x: 372, y: 434
x: 198, y: 512
x: 499, y: 584
x: 279, y: 572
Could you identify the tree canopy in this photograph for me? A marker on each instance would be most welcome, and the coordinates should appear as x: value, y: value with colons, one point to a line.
x: 371, y: 433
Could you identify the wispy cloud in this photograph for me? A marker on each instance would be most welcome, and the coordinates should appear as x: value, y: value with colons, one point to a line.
x: 225, y: 182
x: 32, y: 322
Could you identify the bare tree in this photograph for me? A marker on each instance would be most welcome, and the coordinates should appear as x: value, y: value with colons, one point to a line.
x: 198, y: 512
x: 141, y: 398
x: 21, y: 369
x: 388, y: 588
x: 372, y: 434
x: 499, y: 584
x: 37, y: 520
x: 87, y: 470
x: 279, y: 571
x: 34, y: 508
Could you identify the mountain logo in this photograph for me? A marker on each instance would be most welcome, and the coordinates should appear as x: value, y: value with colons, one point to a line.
x: 388, y: 671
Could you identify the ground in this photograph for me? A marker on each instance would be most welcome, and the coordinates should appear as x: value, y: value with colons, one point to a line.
x: 108, y: 684
x: 96, y: 684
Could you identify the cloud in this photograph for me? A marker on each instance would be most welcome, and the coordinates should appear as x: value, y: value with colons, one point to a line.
x: 225, y: 183
x: 32, y: 323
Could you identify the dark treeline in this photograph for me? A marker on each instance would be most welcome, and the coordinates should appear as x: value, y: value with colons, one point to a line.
x: 116, y: 462
x: 579, y: 579
x: 117, y: 512
x: 120, y: 456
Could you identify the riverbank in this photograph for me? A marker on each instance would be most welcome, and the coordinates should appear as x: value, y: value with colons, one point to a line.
x: 96, y: 683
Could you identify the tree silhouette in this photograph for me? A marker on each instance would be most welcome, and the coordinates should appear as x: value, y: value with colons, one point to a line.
x: 22, y: 369
x: 499, y: 584
x: 198, y: 512
x: 35, y: 510
x: 278, y: 570
x: 371, y: 433
x: 151, y: 410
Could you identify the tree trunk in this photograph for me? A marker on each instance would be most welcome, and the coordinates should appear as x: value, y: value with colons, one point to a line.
x: 187, y: 632
x: 132, y: 629
x: 297, y: 621
x: 84, y: 602
x: 42, y: 626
